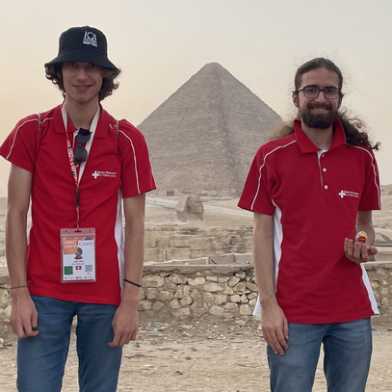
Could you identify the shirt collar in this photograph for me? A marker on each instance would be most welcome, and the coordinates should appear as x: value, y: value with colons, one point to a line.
x: 307, y: 146
x: 104, y: 125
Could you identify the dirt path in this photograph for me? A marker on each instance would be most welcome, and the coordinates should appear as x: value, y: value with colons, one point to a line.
x: 223, y: 357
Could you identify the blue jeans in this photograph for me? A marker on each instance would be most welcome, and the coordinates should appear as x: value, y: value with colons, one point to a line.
x: 347, y: 353
x: 41, y: 359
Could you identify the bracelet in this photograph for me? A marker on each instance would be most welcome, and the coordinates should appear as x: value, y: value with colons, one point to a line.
x: 132, y: 283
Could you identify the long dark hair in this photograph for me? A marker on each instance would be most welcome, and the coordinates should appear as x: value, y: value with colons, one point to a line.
x: 53, y: 73
x: 354, y: 128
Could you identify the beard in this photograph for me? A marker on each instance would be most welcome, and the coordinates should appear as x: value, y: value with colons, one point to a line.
x: 318, y: 120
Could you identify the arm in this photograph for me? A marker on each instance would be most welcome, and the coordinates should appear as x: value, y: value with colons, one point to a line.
x: 274, y: 322
x: 126, y: 318
x: 24, y: 316
x: 360, y: 252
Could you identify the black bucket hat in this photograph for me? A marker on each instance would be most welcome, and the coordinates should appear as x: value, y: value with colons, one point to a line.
x: 83, y: 44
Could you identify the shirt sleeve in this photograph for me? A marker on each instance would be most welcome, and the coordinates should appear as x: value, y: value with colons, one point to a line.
x: 256, y: 195
x: 371, y: 194
x: 19, y: 147
x: 136, y: 171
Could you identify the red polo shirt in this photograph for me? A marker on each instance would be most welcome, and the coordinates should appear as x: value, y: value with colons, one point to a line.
x: 315, y: 197
x: 117, y: 167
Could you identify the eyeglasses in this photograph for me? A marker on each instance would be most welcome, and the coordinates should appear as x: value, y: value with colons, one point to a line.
x: 313, y: 91
x: 81, y: 139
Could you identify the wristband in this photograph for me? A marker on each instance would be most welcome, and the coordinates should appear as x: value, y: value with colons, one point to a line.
x: 132, y: 283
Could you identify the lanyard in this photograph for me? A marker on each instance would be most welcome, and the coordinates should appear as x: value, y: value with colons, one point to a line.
x: 70, y: 154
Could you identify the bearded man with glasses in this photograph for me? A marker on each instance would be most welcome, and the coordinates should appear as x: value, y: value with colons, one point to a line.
x: 83, y: 171
x: 312, y: 191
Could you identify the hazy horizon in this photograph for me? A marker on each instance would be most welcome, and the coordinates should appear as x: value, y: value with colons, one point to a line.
x: 160, y: 45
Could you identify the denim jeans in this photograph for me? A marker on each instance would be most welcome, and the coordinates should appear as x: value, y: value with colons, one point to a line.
x: 41, y: 359
x: 347, y: 353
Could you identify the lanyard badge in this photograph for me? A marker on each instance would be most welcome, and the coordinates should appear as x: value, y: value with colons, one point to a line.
x: 77, y: 244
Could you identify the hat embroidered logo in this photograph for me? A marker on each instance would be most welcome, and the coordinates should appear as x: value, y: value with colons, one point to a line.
x: 90, y: 39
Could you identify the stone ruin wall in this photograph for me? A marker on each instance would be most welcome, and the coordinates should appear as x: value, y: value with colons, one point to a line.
x: 173, y: 242
x: 189, y: 289
x: 221, y: 284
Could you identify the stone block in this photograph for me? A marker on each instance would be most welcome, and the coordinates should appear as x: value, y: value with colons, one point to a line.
x: 231, y: 308
x: 157, y: 306
x: 216, y: 310
x: 245, y: 310
x: 235, y: 298
x: 151, y: 293
x: 177, y: 279
x: 153, y: 281
x: 212, y: 287
x: 165, y: 296
x: 233, y: 281
x: 197, y: 281
x: 220, y: 299
x: 175, y: 304
x: 186, y: 301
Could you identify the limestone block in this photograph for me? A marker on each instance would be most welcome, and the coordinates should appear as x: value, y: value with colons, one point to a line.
x: 251, y: 286
x: 165, y: 296
x: 223, y: 279
x: 179, y: 292
x: 153, y: 281
x: 228, y: 291
x: 196, y: 253
x: 235, y: 298
x: 240, y: 288
x: 252, y: 296
x: 212, y: 278
x: 177, y: 279
x: 144, y: 305
x: 220, y: 299
x: 212, y: 287
x: 245, y: 310
x: 186, y: 301
x: 233, y: 281
x: 151, y: 254
x: 175, y: 304
x: 157, y: 306
x: 195, y: 294
x: 241, y: 275
x: 151, y: 293
x: 209, y: 299
x: 199, y: 243
x: 178, y: 253
x: 182, y: 241
x: 198, y: 310
x: 231, y: 308
x: 197, y: 281
x: 216, y: 310
x: 181, y: 313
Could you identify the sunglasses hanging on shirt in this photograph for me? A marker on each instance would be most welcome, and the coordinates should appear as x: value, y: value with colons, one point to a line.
x: 81, y: 139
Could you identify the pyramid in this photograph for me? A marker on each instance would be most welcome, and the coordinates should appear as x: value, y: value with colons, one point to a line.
x: 203, y: 137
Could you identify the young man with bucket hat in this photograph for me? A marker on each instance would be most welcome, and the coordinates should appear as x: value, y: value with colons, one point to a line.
x: 83, y: 171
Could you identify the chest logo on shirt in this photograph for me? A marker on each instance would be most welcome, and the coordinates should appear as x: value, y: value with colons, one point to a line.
x: 103, y: 173
x: 342, y: 194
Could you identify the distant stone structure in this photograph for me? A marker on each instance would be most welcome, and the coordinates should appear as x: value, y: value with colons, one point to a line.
x: 189, y: 208
x: 203, y: 137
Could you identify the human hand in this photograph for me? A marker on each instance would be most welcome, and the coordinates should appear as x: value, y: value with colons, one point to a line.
x: 358, y: 250
x: 24, y: 315
x: 275, y: 327
x: 125, y: 325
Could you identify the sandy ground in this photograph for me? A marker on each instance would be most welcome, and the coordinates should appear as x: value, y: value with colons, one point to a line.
x: 204, y: 356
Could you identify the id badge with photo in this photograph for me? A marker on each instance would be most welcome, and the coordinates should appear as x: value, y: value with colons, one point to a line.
x: 78, y: 255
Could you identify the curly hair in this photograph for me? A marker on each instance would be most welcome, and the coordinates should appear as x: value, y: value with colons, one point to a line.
x: 54, y: 74
x: 355, y: 130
